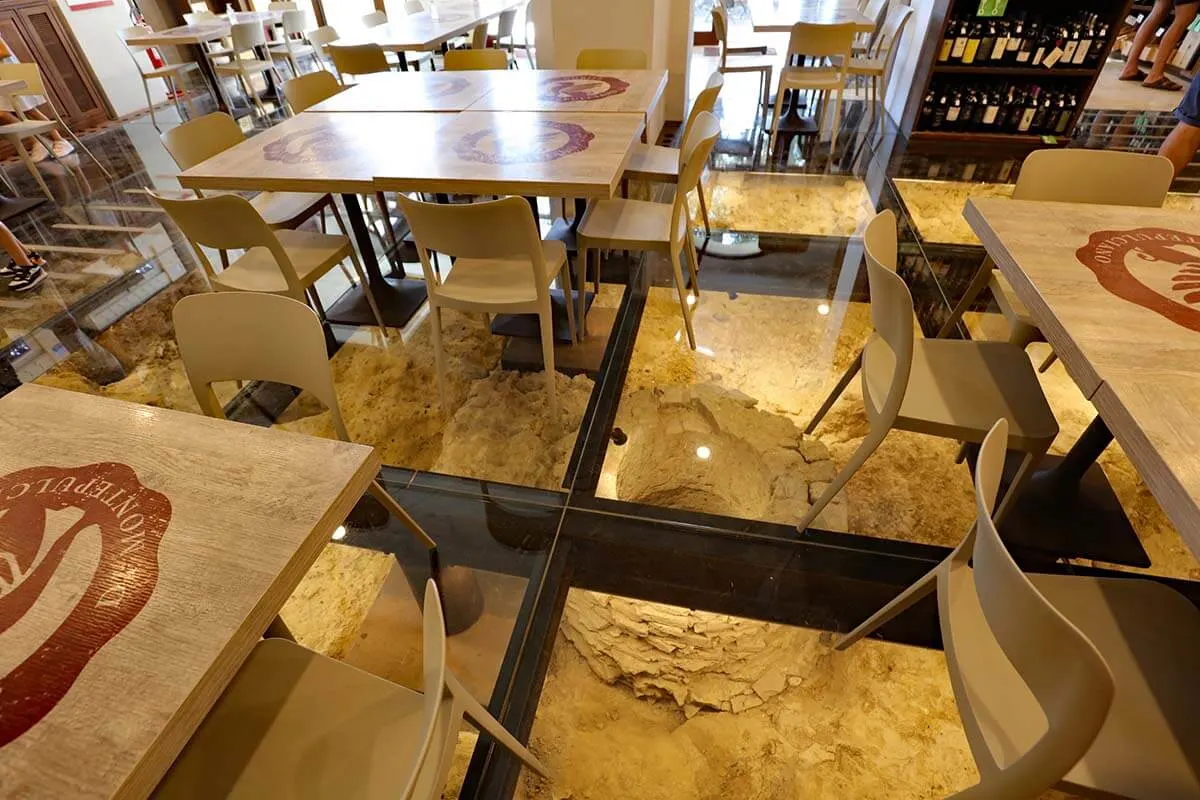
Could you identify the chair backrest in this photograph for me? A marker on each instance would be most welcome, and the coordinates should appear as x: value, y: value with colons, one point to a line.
x: 822, y: 41
x: 24, y: 71
x: 282, y: 5
x: 611, y: 58
x: 892, y: 319
x: 1108, y: 177
x: 886, y: 44
x: 200, y: 8
x: 227, y: 222
x: 320, y: 37
x: 505, y: 22
x: 995, y: 606
x: 305, y: 91
x: 294, y: 22
x: 247, y: 36
x: 357, y: 59
x: 705, y: 101
x: 693, y: 156
x: 374, y: 19
x: 487, y: 58
x: 874, y: 10
x: 440, y: 717
x: 479, y: 36
x: 413, y: 7
x: 124, y: 34
x: 201, y: 138
x: 494, y: 229
x: 240, y: 336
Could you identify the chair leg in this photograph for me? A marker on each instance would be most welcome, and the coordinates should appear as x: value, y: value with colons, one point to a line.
x: 564, y: 277
x: 366, y: 286
x: 842, y: 383
x: 581, y: 265
x: 1028, y: 462
x: 1050, y: 359
x: 775, y: 120
x: 173, y: 88
x: 321, y: 219
x: 869, y: 445
x: 693, y: 260
x: 837, y: 123
x: 439, y: 358
x: 484, y: 721
x: 926, y: 584
x: 978, y: 283
x: 23, y: 153
x: 150, y: 105
x: 683, y: 305
x: 703, y: 209
x: 546, y: 326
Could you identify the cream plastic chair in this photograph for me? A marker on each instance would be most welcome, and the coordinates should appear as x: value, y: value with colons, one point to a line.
x: 611, y: 58
x: 171, y: 75
x: 504, y: 30
x: 320, y: 39
x: 413, y: 7
x: 658, y: 164
x: 293, y: 47
x: 214, y: 48
x: 357, y: 59
x: 374, y: 19
x: 275, y: 261
x: 245, y: 63
x: 307, y: 90
x: 953, y: 389
x: 818, y: 42
x: 479, y: 36
x: 874, y: 10
x: 621, y: 224
x: 475, y: 59
x: 501, y: 266
x: 878, y: 64
x: 1062, y: 681
x: 1075, y: 175
x: 745, y: 59
x: 17, y: 132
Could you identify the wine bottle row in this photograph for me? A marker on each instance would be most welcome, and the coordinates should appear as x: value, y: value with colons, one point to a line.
x: 1075, y: 42
x: 997, y: 109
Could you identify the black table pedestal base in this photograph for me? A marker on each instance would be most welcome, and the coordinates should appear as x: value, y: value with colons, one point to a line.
x: 527, y: 325
x: 398, y: 300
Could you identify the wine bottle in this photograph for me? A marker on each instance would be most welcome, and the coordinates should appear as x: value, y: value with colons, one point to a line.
x: 973, y: 40
x: 1043, y: 47
x: 1028, y: 112
x: 926, y: 119
x: 1038, y: 123
x: 1016, y: 40
x: 1071, y: 44
x: 1001, y: 43
x: 1028, y: 42
x: 991, y: 109
x: 987, y: 42
x: 940, y: 112
x: 954, y: 112
x: 960, y: 43
x: 947, y: 43
x: 1056, y: 53
x: 1085, y: 43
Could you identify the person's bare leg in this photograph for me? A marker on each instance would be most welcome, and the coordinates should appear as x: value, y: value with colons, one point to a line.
x: 1145, y: 33
x: 1180, y: 145
x: 33, y: 113
x: 1183, y: 17
x: 16, y: 251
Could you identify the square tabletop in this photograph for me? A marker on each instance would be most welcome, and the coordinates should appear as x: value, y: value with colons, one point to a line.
x: 409, y: 91
x: 315, y: 152
x: 779, y: 16
x: 143, y: 552
x: 575, y: 90
x: 1111, y: 287
x: 516, y: 153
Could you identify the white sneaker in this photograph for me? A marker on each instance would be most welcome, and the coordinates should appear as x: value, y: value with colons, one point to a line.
x: 38, y: 152
x: 62, y: 148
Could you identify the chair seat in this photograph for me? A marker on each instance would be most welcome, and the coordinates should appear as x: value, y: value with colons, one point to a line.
x: 652, y: 162
x: 287, y: 209
x: 170, y: 70
x: 244, y: 65
x: 312, y: 254
x: 811, y: 78
x: 499, y: 281
x: 28, y: 127
x: 866, y: 66
x: 628, y: 224
x: 749, y: 62
x: 294, y: 723
x: 297, y: 50
x: 1149, y: 635
x: 1011, y: 306
x: 958, y: 389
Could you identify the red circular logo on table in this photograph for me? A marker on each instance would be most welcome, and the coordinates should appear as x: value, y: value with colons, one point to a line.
x: 441, y: 87
x: 78, y: 561
x: 547, y: 140
x: 1156, y: 268
x: 581, y: 88
x: 315, y: 146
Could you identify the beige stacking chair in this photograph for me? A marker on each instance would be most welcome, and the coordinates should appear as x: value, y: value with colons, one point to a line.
x: 658, y: 164
x: 305, y: 91
x: 1073, y: 682
x: 820, y: 42
x: 357, y: 59
x: 275, y: 261
x: 171, y: 75
x: 413, y: 7
x: 505, y: 39
x: 220, y: 47
x: 622, y: 224
x: 320, y: 39
x: 745, y: 59
x: 479, y: 36
x: 1106, y: 177
x: 877, y: 65
x: 611, y: 58
x: 874, y: 10
x: 375, y: 19
x: 245, y: 64
x: 293, y: 47
x: 502, y: 266
x: 472, y: 59
x: 949, y: 388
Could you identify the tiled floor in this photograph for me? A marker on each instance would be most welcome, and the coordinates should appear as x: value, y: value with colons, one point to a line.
x: 626, y: 571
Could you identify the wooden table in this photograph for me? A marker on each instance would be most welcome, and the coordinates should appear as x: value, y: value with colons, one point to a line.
x: 153, y: 549
x: 779, y: 16
x: 409, y: 91
x: 429, y: 30
x: 1114, y: 290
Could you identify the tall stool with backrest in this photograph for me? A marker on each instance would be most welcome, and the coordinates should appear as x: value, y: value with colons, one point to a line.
x: 658, y: 164
x: 501, y: 266
x: 245, y: 63
x: 878, y: 63
x: 623, y: 224
x: 275, y: 261
x: 1062, y: 681
x: 1107, y: 177
x: 471, y: 59
x: 357, y: 59
x: 745, y: 59
x: 819, y: 42
x: 171, y: 74
x: 952, y: 389
x: 320, y: 39
x: 611, y: 58
x: 293, y: 47
x: 874, y: 10
x: 504, y: 31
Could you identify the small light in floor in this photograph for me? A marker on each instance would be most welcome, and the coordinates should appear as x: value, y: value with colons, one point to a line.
x: 703, y: 453
x: 823, y: 309
x: 679, y: 336
x: 340, y: 533
x: 691, y: 299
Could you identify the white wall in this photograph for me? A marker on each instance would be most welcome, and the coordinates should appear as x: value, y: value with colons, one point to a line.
x: 96, y: 31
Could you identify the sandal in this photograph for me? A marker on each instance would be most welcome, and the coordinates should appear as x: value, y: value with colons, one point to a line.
x: 1137, y: 76
x: 1164, y: 84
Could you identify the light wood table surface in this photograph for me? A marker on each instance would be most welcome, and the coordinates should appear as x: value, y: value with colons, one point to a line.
x: 778, y: 16
x: 513, y: 153
x: 409, y: 91
x: 152, y: 549
x: 428, y: 30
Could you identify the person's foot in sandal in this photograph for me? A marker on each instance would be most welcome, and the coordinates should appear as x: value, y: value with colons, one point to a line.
x: 1163, y: 84
x: 1136, y: 75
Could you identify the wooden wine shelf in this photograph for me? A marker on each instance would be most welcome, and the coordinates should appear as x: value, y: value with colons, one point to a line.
x: 1015, y: 72
x: 1015, y: 139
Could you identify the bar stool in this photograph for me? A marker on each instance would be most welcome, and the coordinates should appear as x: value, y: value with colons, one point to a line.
x: 878, y: 64
x: 952, y: 389
x: 171, y: 75
x: 746, y: 59
x: 293, y: 47
x: 247, y: 37
x: 818, y: 42
x: 1062, y: 681
x: 320, y: 38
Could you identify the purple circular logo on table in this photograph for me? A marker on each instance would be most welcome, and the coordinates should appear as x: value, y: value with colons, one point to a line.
x: 315, y: 146
x: 581, y: 88
x: 548, y: 141
x: 441, y: 87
